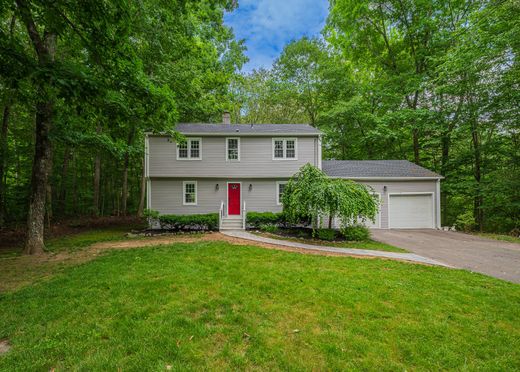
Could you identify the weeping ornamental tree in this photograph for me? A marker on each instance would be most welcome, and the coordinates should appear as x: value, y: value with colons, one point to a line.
x: 310, y: 193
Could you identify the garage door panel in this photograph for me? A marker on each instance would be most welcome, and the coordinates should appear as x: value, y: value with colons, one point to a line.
x: 410, y: 211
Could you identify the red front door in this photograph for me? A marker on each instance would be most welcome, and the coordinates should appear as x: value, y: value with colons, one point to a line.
x: 233, y: 198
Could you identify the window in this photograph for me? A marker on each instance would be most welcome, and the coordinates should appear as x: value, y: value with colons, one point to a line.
x: 290, y: 149
x: 189, y: 150
x: 189, y: 193
x: 284, y: 148
x: 233, y: 149
x: 280, y: 187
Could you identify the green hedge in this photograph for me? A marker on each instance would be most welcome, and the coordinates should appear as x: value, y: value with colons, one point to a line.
x: 327, y: 234
x: 189, y: 221
x: 256, y: 219
x: 355, y: 233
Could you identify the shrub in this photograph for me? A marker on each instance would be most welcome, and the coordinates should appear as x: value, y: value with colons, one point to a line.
x: 355, y: 233
x: 465, y: 222
x: 326, y: 234
x: 256, y: 219
x: 189, y: 222
x: 270, y: 228
x: 150, y: 213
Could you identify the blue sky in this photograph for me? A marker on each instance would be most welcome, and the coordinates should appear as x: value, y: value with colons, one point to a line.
x: 267, y: 25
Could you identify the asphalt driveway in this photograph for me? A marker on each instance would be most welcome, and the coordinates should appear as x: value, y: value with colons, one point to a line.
x: 491, y: 257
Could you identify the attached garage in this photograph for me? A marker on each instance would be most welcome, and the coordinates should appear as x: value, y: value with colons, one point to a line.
x: 409, y: 194
x: 410, y: 211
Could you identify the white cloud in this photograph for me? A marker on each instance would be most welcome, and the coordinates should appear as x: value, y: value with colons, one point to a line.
x: 267, y: 25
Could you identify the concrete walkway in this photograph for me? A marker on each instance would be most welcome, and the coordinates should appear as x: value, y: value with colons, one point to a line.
x: 411, y: 257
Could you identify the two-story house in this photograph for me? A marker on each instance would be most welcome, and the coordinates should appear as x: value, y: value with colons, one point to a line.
x: 236, y: 168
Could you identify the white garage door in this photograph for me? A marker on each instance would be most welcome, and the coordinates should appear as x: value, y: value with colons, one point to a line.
x: 410, y: 211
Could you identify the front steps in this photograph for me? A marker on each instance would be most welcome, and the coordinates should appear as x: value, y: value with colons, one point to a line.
x: 232, y: 223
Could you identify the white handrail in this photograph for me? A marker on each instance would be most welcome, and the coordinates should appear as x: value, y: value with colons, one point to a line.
x: 244, y: 216
x: 221, y: 215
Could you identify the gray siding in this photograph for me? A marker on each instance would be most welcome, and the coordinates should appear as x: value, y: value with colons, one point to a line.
x: 166, y: 195
x: 255, y: 158
x: 393, y: 187
x: 397, y: 187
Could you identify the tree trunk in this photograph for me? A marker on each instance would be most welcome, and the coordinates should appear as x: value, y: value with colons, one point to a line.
x: 62, y: 199
x: 143, y: 193
x: 478, y: 213
x: 3, y: 161
x: 45, y: 48
x: 330, y: 221
x: 3, y: 143
x: 97, y: 177
x: 415, y: 134
x: 446, y: 141
x: 48, y: 203
x: 124, y: 197
x: 40, y: 173
x: 125, y: 185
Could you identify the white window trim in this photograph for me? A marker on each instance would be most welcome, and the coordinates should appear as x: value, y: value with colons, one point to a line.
x: 184, y: 183
x: 278, y: 183
x: 188, y: 141
x: 227, y: 148
x: 285, y: 139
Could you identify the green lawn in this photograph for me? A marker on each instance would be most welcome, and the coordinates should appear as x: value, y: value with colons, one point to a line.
x: 80, y: 240
x: 212, y: 305
x: 507, y: 238
x: 367, y: 244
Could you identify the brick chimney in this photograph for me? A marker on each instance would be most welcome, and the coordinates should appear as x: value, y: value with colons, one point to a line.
x: 226, y: 117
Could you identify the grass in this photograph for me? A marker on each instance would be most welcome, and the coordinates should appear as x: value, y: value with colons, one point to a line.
x: 367, y: 244
x: 503, y: 237
x: 84, y: 239
x: 211, y: 305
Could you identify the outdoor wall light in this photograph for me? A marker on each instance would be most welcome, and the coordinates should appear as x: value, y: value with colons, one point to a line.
x: 250, y: 187
x: 384, y: 188
x: 217, y: 187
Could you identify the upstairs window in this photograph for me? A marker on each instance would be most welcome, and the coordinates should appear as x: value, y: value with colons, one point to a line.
x: 284, y: 149
x: 233, y: 149
x: 189, y: 149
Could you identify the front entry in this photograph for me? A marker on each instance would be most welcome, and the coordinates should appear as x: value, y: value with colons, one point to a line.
x: 234, y: 198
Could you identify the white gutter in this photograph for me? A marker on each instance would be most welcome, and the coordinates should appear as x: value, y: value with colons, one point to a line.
x: 390, y: 178
x: 238, y: 134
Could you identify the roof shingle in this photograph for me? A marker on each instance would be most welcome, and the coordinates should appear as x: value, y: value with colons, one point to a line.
x: 236, y: 129
x: 375, y: 169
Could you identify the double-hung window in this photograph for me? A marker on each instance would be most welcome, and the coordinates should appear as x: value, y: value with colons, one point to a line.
x: 233, y: 149
x: 284, y: 148
x: 280, y: 187
x: 189, y: 149
x: 189, y: 193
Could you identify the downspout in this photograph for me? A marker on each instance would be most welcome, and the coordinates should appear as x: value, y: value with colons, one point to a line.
x: 438, y: 207
x: 319, y: 152
x: 147, y: 171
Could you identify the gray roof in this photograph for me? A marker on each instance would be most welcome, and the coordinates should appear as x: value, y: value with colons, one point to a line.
x: 375, y: 169
x: 237, y: 129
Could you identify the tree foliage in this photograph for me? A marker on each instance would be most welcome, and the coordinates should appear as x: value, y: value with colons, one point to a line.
x: 80, y: 83
x: 310, y: 193
x: 436, y: 83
